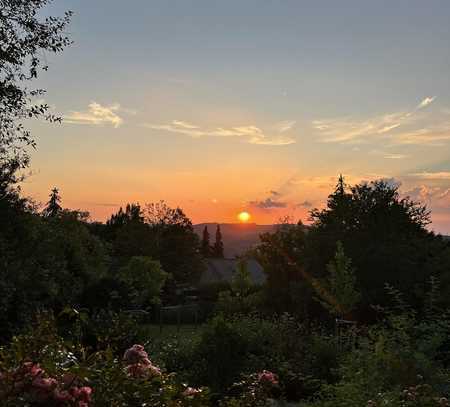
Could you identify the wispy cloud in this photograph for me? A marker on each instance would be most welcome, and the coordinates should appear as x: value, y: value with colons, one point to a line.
x: 305, y: 204
x: 442, y: 175
x: 268, y: 203
x: 393, y: 156
x: 350, y: 130
x: 437, y: 197
x: 251, y: 134
x: 389, y: 155
x: 433, y: 136
x: 284, y: 126
x: 425, y: 102
x: 96, y: 115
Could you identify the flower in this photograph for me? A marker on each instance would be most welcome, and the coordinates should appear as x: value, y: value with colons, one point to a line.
x: 135, y: 354
x: 267, y: 377
x: 138, y: 363
x: 190, y: 391
x: 45, y: 384
x: 142, y: 370
x: 62, y: 395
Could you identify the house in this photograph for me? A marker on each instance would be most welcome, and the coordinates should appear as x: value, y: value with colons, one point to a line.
x: 223, y: 270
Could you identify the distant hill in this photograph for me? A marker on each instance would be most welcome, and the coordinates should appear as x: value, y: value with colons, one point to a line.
x: 237, y: 237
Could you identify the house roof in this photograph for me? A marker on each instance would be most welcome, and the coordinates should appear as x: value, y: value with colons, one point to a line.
x: 223, y: 270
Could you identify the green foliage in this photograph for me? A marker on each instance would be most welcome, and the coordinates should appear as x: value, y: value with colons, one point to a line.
x: 37, y: 368
x: 146, y: 279
x: 46, y: 263
x: 281, y: 254
x: 384, y: 235
x: 402, y: 352
x: 228, y: 348
x: 242, y: 280
x: 160, y: 232
x: 338, y: 293
x: 25, y: 38
x: 244, y: 297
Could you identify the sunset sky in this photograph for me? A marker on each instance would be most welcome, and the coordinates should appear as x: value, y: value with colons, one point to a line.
x: 223, y: 106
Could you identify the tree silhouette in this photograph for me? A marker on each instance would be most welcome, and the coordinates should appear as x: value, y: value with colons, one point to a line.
x: 383, y: 233
x: 218, y: 244
x: 205, y: 245
x: 53, y: 207
x: 25, y: 37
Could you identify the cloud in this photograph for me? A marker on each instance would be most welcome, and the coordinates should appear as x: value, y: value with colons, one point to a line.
x: 389, y: 156
x: 432, y: 136
x: 284, y: 126
x: 268, y: 203
x: 305, y: 204
x: 425, y: 102
x: 393, y: 156
x: 443, y: 175
x: 251, y: 134
x: 96, y: 115
x: 350, y: 130
x: 438, y: 197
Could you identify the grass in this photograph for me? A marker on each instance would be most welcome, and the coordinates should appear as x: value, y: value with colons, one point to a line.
x: 171, y: 331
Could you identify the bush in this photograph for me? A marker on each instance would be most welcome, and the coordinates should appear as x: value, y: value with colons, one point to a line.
x: 42, y: 369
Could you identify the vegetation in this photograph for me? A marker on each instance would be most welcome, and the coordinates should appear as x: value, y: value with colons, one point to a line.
x: 76, y: 297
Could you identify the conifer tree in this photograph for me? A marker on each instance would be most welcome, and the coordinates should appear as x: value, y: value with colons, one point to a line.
x: 218, y: 245
x: 53, y: 207
x: 342, y: 296
x: 205, y: 247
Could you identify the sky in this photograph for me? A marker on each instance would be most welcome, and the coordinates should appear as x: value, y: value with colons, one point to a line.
x: 258, y: 105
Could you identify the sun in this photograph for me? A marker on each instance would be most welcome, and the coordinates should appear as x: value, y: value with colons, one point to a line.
x: 244, y: 217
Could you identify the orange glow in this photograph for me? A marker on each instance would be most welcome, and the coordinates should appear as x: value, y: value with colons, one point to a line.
x: 244, y: 217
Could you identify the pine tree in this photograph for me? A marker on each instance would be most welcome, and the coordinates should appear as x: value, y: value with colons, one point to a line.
x: 218, y: 245
x: 205, y: 247
x: 241, y: 282
x: 53, y: 207
x: 341, y: 295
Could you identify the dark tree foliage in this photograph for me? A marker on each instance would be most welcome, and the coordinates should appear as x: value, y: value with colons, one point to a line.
x: 45, y: 263
x: 177, y: 245
x: 281, y: 254
x: 25, y: 37
x: 205, y: 246
x: 160, y: 232
x: 384, y: 235
x: 53, y: 207
x: 218, y: 244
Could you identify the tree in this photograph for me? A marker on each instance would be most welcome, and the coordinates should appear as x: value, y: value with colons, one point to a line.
x: 53, y: 207
x: 146, y: 279
x: 218, y: 244
x: 338, y: 293
x: 383, y: 233
x: 205, y: 246
x: 242, y: 280
x: 25, y: 37
x: 281, y: 254
x: 176, y: 243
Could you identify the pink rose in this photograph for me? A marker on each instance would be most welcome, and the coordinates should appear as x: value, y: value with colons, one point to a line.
x: 45, y: 384
x: 62, y: 395
x: 190, y: 391
x: 135, y: 354
x: 267, y: 377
